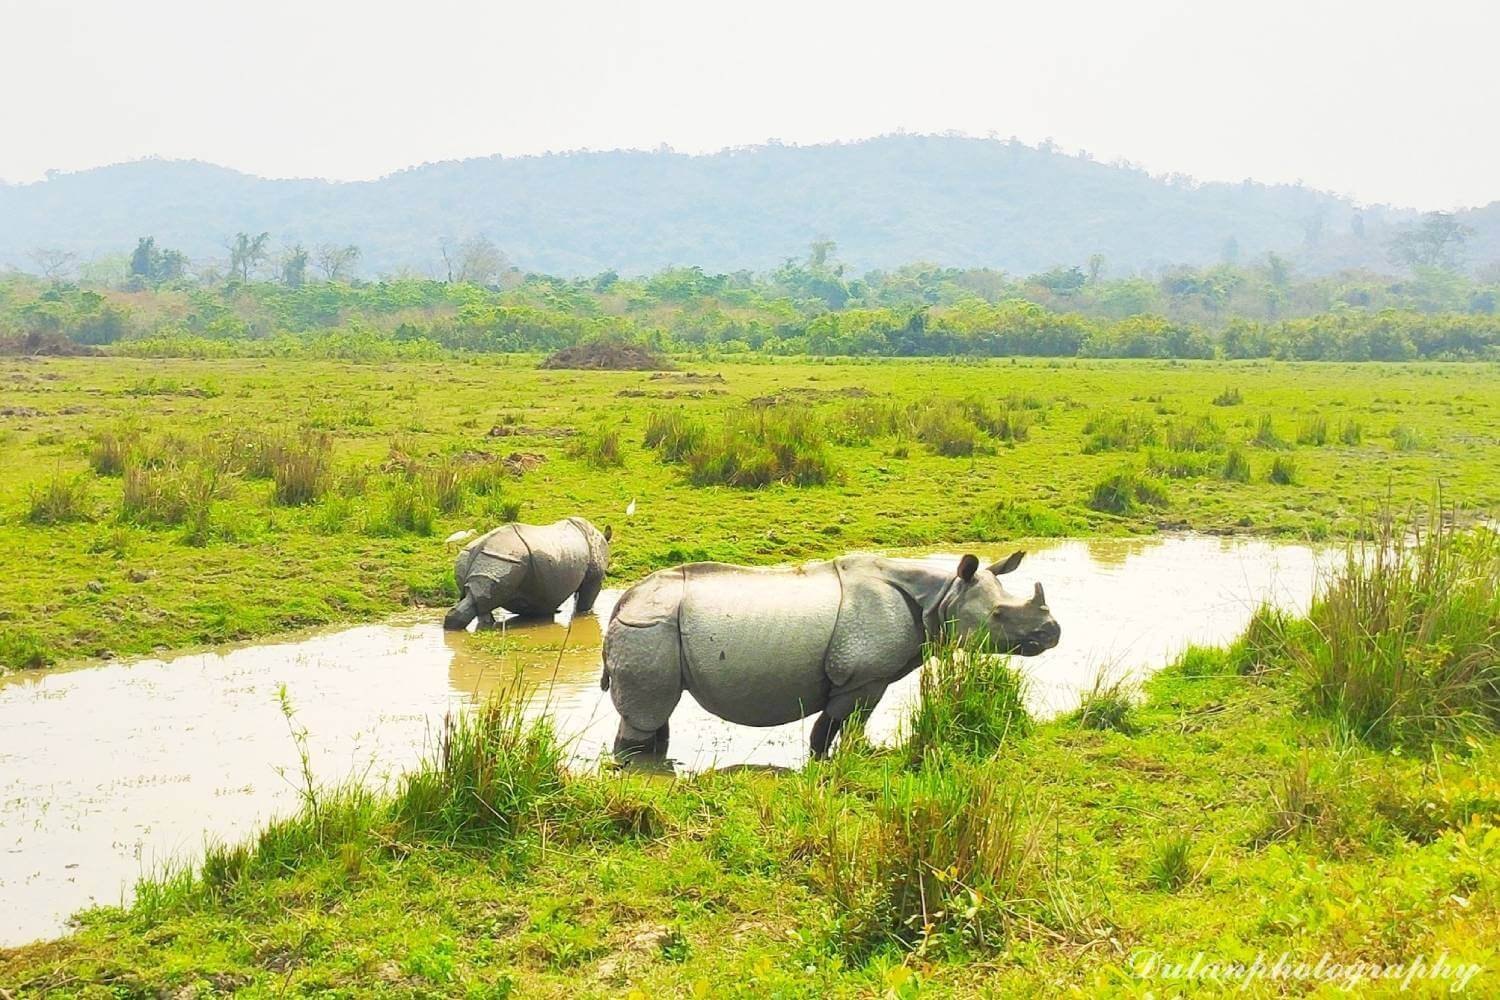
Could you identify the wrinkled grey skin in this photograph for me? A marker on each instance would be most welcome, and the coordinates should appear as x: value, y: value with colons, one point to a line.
x: 763, y: 647
x: 530, y: 570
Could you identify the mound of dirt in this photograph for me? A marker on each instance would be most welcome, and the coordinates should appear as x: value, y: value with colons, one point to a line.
x: 49, y: 344
x: 608, y: 354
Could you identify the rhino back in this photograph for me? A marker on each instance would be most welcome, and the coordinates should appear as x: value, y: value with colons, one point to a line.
x: 754, y: 640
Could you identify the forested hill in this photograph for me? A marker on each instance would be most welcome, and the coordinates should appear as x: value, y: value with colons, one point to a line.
x: 886, y: 201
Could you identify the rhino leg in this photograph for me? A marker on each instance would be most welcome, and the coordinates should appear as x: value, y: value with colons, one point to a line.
x: 840, y: 706
x: 487, y: 619
x: 583, y: 603
x: 645, y: 684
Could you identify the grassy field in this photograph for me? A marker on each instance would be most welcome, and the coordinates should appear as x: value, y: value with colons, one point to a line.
x: 1324, y: 787
x: 167, y: 503
x: 1231, y: 813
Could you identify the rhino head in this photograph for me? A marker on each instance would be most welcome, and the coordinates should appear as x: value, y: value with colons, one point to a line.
x: 980, y: 607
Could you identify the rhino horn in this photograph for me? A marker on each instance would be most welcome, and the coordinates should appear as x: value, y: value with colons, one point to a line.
x: 1008, y: 564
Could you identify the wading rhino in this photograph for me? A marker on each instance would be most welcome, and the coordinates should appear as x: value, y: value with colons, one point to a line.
x: 529, y: 569
x: 763, y: 647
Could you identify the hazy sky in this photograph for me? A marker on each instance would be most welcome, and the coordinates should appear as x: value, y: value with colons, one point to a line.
x: 1387, y: 102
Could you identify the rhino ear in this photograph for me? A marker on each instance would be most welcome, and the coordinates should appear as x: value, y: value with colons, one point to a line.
x: 609, y: 532
x: 1008, y: 564
x: 967, y: 567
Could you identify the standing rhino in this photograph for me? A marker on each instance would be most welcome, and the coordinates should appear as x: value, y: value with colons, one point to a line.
x: 529, y: 569
x: 763, y: 647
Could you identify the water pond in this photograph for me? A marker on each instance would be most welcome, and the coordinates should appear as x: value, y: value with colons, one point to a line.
x: 111, y: 771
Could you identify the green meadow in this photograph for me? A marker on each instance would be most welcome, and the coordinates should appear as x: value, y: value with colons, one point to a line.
x: 1325, y: 788
x: 167, y: 503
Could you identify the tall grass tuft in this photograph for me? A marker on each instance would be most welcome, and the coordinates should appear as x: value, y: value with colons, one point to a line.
x: 108, y: 452
x: 1266, y: 435
x: 599, y: 448
x: 1229, y: 397
x: 1171, y: 863
x: 970, y: 702
x: 943, y: 857
x: 493, y: 768
x: 60, y: 499
x: 1314, y: 431
x: 300, y: 471
x: 673, y: 434
x: 1351, y: 432
x: 946, y: 427
x: 1236, y: 467
x: 1109, y: 704
x: 1283, y: 470
x: 1404, y: 438
x: 1406, y: 648
x: 781, y: 444
x: 1126, y: 491
x: 1117, y: 432
x: 1203, y: 434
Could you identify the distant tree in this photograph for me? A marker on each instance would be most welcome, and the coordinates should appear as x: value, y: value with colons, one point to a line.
x: 1357, y: 226
x: 246, y: 253
x: 1096, y: 267
x: 54, y: 263
x: 1230, y: 254
x: 150, y: 265
x: 474, y: 261
x: 294, y: 266
x: 336, y: 262
x: 1061, y: 280
x: 1437, y: 242
x: 143, y: 260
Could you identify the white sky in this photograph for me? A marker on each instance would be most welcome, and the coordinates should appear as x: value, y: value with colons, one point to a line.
x: 1387, y: 102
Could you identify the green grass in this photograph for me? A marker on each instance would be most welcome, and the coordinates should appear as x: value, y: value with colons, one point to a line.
x: 970, y: 702
x: 347, y: 554
x: 1225, y: 820
x: 1127, y: 491
x: 1407, y: 646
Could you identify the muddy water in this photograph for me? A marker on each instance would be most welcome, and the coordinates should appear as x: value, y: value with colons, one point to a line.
x: 112, y: 771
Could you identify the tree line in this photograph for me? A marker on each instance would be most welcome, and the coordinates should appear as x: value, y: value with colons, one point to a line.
x: 308, y: 299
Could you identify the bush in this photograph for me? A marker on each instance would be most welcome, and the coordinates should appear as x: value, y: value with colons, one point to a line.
x: 1403, y: 648
x: 610, y: 353
x: 1126, y: 491
x: 970, y: 702
x: 60, y: 499
x: 1236, y: 467
x: 599, y: 448
x: 1351, y: 432
x: 1229, y: 397
x: 1283, y: 470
